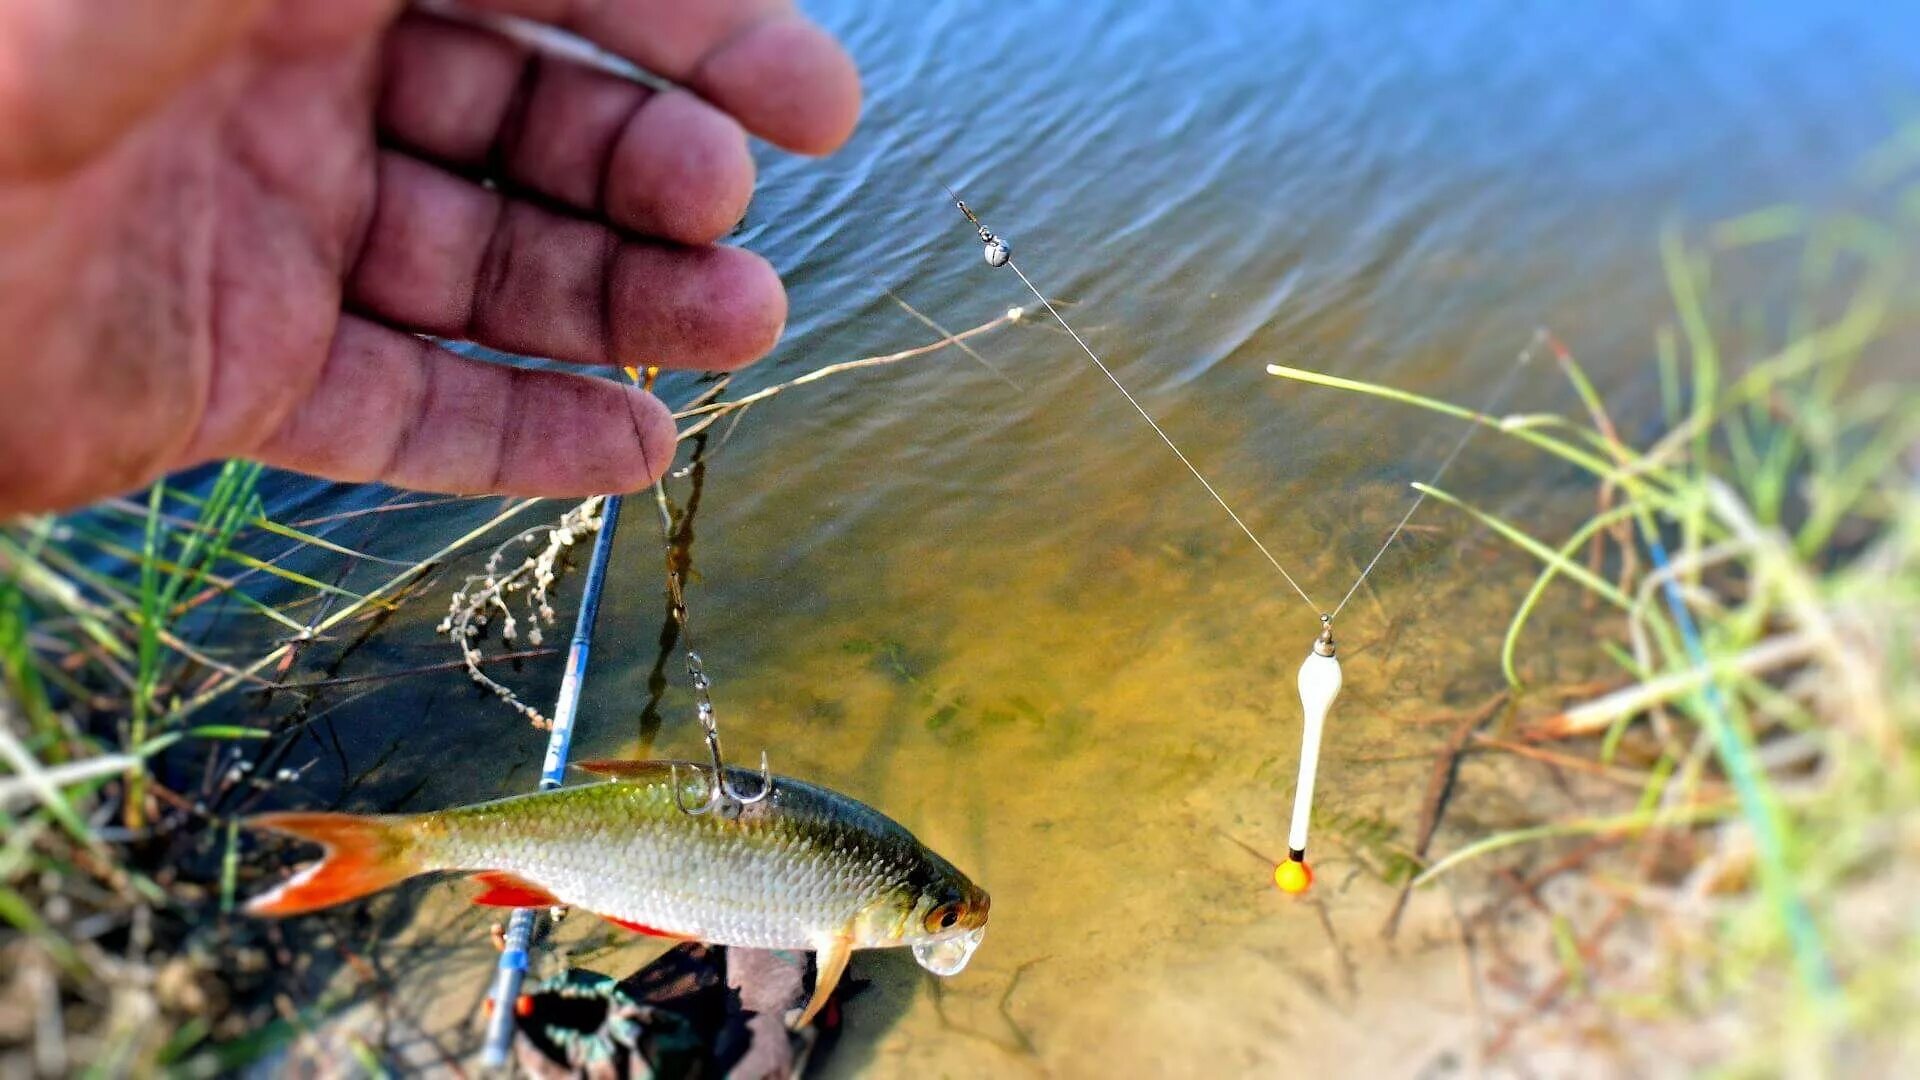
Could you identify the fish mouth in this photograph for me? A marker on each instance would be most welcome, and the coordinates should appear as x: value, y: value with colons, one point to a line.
x: 949, y: 955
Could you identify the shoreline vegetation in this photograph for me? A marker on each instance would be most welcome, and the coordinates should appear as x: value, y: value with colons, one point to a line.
x: 1752, y: 565
x: 119, y: 625
x: 1757, y: 564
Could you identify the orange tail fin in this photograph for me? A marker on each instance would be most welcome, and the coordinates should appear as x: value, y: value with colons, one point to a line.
x: 363, y: 855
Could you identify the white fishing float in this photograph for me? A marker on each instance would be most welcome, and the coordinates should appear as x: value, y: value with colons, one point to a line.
x: 1320, y: 681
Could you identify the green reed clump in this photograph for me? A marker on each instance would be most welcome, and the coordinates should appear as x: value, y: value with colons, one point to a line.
x: 1759, y: 555
x: 119, y: 625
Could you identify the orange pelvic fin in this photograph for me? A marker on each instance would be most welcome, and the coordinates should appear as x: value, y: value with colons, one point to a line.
x: 363, y: 855
x: 642, y: 928
x: 830, y: 962
x: 506, y: 890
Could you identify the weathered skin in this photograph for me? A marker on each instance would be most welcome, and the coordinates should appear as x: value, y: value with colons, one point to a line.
x: 806, y: 868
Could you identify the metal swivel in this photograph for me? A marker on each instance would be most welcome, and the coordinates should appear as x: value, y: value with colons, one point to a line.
x: 997, y: 250
x: 1323, y: 646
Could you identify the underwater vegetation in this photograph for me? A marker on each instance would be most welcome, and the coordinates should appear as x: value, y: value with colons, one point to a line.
x: 1753, y: 567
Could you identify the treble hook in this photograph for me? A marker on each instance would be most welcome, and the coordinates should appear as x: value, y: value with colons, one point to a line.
x: 722, y: 795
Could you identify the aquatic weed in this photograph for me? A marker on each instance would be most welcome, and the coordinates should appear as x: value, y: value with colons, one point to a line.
x: 1759, y: 557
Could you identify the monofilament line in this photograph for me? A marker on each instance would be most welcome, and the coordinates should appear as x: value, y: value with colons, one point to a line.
x: 1157, y: 430
x: 1493, y: 401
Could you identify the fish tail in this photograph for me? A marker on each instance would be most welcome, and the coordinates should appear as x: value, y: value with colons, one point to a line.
x: 363, y: 855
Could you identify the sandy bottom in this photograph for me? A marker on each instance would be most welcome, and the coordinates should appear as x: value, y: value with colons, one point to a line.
x: 1099, y: 752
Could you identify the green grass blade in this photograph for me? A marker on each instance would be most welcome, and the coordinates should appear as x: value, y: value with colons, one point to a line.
x: 1527, y: 433
x: 1509, y: 647
x: 1638, y: 821
x: 1513, y: 534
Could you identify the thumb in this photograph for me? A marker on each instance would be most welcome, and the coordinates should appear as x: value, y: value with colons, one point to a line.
x: 74, y: 76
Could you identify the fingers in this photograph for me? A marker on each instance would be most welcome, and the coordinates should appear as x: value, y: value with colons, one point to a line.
x: 787, y: 81
x: 74, y: 76
x: 664, y: 164
x: 784, y: 78
x: 391, y: 407
x: 451, y: 258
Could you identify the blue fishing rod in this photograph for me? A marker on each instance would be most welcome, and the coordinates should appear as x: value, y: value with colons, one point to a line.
x: 512, y: 968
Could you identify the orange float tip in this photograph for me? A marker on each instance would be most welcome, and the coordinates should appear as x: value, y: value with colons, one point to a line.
x: 1293, y: 877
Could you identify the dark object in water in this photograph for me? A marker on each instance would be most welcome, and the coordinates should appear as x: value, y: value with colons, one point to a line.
x: 675, y: 1018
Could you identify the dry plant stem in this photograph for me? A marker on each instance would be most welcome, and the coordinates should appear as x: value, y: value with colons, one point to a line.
x: 1631, y: 778
x: 1622, y: 530
x: 1439, y: 784
x: 1622, y: 533
x: 36, y: 783
x: 1524, y: 891
x: 1529, y: 887
x: 1640, y: 616
x: 393, y: 584
x: 1690, y: 563
x: 483, y: 597
x: 423, y: 669
x: 719, y: 408
x: 1595, y: 716
x: 1773, y: 553
x: 475, y: 602
x: 1588, y: 950
x: 66, y: 596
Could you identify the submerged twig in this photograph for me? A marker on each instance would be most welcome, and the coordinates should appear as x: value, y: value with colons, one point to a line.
x: 1446, y: 765
x: 1588, y: 952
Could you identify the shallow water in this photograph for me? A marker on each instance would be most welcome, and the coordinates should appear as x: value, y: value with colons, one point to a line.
x: 1008, y: 619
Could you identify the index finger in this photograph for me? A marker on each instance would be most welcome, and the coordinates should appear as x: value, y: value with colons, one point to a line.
x: 785, y: 79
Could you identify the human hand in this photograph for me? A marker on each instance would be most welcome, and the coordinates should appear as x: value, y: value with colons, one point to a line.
x: 224, y: 222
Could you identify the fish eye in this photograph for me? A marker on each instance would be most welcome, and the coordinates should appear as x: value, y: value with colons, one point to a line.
x: 943, y: 917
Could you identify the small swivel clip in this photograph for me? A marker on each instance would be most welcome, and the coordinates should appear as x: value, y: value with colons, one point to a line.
x: 1323, y: 645
x: 997, y: 252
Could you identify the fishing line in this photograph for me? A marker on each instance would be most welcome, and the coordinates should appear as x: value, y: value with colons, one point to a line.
x: 1494, y: 401
x: 723, y: 797
x: 998, y: 254
x: 1158, y: 430
x: 1320, y: 677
